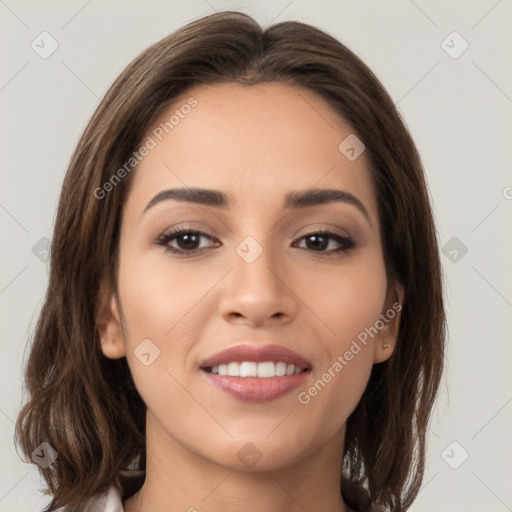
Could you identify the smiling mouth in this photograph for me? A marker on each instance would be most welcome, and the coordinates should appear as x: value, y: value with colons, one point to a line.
x: 252, y: 369
x: 256, y: 382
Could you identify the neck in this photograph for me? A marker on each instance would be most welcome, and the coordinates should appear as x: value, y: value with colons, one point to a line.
x: 179, y: 480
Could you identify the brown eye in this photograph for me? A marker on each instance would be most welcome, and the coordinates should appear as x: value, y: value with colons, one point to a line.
x: 320, y: 241
x: 183, y: 241
x: 188, y: 241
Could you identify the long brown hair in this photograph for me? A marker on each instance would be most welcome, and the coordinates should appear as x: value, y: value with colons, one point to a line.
x: 86, y: 406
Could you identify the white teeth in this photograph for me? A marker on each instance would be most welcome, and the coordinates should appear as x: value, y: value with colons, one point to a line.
x: 248, y: 369
x: 267, y: 369
x: 281, y: 369
x: 261, y: 370
x: 233, y: 369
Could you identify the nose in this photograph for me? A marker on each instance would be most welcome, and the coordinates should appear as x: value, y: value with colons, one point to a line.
x: 258, y: 293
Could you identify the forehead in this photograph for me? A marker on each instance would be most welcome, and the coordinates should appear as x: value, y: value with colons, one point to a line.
x: 252, y: 142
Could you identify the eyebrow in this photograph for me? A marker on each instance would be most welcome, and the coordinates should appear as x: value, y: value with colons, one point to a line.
x: 293, y: 200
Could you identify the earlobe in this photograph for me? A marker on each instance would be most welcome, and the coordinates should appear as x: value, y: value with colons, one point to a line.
x: 385, y: 342
x: 383, y: 349
x: 110, y: 330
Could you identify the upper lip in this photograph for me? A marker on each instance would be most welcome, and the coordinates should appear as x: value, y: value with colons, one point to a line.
x: 257, y: 354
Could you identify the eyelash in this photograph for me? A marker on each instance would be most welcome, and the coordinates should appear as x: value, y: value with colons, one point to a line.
x: 346, y: 243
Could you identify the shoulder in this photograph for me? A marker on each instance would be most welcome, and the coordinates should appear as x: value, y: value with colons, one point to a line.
x: 109, y: 501
x: 127, y: 482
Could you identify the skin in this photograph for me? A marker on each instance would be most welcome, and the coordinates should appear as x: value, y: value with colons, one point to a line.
x: 255, y: 144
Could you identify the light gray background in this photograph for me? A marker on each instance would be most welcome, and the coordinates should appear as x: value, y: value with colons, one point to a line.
x: 459, y: 113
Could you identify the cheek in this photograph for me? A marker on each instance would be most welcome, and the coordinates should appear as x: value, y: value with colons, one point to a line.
x: 159, y: 295
x: 347, y: 298
x: 348, y: 302
x: 162, y: 313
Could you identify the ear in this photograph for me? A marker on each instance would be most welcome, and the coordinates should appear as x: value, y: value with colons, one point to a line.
x: 109, y: 323
x: 385, y: 341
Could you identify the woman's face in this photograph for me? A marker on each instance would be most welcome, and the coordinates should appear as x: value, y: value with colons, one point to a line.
x: 251, y: 268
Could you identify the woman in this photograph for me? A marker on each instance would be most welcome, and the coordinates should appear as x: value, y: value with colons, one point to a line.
x: 245, y: 300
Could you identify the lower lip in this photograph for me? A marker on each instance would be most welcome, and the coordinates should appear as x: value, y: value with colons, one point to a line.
x: 253, y: 389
